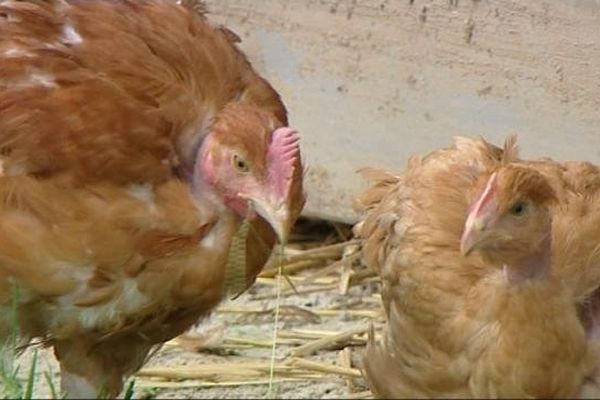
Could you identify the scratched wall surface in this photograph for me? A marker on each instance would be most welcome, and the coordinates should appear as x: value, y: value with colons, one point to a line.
x: 370, y: 82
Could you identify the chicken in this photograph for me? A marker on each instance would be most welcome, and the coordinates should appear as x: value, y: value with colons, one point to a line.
x: 488, y: 275
x: 136, y: 143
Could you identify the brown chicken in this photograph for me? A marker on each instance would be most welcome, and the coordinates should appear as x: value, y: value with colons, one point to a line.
x: 515, y: 314
x: 135, y: 139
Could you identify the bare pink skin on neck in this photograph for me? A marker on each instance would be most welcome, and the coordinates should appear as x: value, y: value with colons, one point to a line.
x: 534, y: 266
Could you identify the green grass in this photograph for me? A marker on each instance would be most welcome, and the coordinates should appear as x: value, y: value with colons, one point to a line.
x: 11, y: 385
x: 53, y: 392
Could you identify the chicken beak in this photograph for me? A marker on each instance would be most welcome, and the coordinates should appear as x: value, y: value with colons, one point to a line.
x: 275, y: 213
x: 472, y: 235
x: 480, y: 217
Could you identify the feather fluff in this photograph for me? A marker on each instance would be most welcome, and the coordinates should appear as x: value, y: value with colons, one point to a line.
x: 456, y: 326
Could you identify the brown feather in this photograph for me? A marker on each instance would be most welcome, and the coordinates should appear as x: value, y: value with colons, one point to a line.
x: 103, y: 107
x: 517, y: 182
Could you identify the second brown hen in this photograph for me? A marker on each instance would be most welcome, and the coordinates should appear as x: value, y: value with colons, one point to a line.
x: 516, y: 318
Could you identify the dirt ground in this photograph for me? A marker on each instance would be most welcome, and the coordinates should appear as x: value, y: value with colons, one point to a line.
x: 229, y: 354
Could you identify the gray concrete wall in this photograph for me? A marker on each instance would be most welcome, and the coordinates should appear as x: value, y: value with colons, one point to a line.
x: 370, y: 82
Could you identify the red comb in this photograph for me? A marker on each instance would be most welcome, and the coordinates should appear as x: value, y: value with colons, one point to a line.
x: 281, y: 157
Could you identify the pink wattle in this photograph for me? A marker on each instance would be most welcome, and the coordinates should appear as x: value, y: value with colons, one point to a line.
x: 240, y: 206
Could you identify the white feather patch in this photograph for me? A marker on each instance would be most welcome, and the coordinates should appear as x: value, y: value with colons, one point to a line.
x: 144, y: 193
x: 42, y: 79
x: 70, y: 35
x: 16, y: 52
x: 129, y: 301
x: 210, y: 240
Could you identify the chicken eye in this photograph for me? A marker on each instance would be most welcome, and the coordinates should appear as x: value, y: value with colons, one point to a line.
x: 518, y: 208
x: 240, y: 164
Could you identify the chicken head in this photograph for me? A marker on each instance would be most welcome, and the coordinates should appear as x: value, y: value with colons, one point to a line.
x: 510, y: 223
x: 247, y: 179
